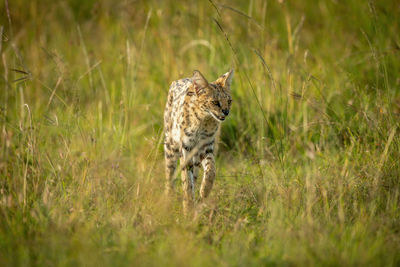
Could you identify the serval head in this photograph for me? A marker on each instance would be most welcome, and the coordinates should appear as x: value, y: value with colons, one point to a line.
x: 213, y: 98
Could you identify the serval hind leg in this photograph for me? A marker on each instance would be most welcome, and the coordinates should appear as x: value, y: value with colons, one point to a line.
x: 171, y: 160
x: 187, y: 182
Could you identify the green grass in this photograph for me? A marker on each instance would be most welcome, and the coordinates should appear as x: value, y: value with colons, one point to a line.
x: 308, y: 166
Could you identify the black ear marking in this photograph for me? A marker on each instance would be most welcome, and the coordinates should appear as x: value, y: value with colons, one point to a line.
x: 199, y: 82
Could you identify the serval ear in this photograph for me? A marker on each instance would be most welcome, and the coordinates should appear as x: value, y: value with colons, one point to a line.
x: 226, y: 79
x: 199, y: 82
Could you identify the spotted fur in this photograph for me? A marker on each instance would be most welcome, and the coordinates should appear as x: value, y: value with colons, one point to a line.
x: 193, y: 113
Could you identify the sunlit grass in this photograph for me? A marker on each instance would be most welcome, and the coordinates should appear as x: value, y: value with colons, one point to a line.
x: 308, y: 161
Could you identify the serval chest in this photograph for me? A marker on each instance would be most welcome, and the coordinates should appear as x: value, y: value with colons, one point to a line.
x: 194, y: 110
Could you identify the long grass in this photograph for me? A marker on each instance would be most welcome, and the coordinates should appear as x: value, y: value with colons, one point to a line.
x: 308, y: 166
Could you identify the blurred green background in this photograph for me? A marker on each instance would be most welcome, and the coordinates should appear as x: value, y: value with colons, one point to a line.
x: 308, y: 162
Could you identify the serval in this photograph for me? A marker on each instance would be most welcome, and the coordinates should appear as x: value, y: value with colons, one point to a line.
x: 193, y: 113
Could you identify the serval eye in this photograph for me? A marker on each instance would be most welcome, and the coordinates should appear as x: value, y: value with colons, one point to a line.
x: 216, y: 103
x: 229, y: 101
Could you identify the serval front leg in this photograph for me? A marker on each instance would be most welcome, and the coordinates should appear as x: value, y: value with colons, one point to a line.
x: 208, y: 176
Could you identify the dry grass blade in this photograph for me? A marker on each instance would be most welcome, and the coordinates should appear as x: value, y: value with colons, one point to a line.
x: 197, y: 43
x: 20, y: 71
x: 242, y: 14
x: 22, y: 79
x: 266, y: 67
x: 216, y: 8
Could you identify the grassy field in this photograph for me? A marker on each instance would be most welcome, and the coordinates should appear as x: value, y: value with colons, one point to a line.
x: 308, y: 166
